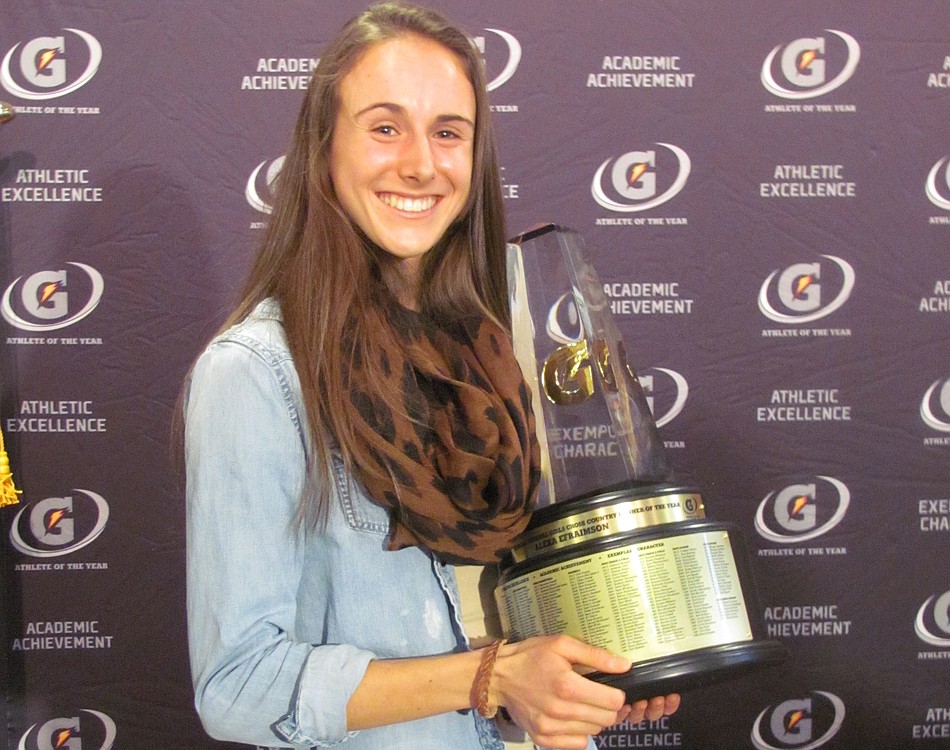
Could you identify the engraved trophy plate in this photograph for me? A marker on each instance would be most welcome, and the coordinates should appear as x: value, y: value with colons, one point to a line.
x: 609, y: 517
x: 617, y: 554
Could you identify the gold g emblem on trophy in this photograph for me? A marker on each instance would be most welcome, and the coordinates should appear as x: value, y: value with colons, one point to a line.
x: 566, y: 376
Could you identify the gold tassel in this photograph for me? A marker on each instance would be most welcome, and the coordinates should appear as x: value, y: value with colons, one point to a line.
x: 8, y: 491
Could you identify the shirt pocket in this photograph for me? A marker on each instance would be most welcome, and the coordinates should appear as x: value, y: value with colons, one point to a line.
x: 359, y: 512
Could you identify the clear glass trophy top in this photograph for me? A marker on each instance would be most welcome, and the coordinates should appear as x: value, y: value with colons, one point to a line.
x: 594, y: 423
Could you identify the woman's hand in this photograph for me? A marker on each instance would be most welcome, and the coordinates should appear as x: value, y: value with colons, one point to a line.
x: 535, y: 681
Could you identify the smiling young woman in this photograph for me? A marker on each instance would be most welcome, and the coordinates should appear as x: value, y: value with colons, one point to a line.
x: 360, y: 426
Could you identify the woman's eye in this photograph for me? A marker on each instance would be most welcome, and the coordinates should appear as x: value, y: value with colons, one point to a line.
x: 385, y: 130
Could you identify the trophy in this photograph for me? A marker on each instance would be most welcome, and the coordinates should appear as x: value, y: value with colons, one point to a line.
x: 616, y: 554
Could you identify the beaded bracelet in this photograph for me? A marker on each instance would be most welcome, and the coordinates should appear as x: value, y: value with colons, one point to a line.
x: 479, y: 696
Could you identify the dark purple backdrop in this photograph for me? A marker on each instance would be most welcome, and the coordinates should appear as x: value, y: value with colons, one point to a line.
x: 779, y: 271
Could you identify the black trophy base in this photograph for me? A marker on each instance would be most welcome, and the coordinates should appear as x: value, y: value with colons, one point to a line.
x: 680, y: 672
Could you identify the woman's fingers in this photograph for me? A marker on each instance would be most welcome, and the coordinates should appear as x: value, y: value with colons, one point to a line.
x: 654, y: 708
x: 583, y: 654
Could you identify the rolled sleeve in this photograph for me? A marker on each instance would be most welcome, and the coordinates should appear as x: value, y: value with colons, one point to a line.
x: 329, y: 678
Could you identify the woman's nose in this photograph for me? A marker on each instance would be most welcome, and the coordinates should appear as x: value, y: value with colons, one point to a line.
x: 416, y: 161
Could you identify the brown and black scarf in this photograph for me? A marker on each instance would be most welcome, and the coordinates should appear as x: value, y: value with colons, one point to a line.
x: 458, y: 463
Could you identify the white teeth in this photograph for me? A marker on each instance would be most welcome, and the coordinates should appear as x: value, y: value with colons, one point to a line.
x: 410, y: 205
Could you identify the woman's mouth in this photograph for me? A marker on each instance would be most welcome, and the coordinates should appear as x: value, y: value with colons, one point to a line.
x: 407, y: 204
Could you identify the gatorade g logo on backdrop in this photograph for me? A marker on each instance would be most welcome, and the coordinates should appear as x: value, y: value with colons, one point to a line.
x: 564, y: 325
x: 57, y: 526
x: 800, y: 723
x: 657, y: 388
x: 90, y: 730
x: 811, y: 67
x: 49, y: 300
x: 50, y: 66
x: 512, y: 60
x: 259, y: 191
x: 641, y: 180
x: 935, y: 406
x: 804, y: 511
x: 933, y: 621
x: 803, y: 290
x: 938, y: 184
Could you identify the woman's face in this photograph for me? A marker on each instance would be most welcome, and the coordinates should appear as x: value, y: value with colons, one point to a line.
x: 401, y: 156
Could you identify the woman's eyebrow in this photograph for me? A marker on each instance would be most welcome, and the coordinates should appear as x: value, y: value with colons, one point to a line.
x: 455, y: 118
x: 390, y: 106
x: 398, y: 109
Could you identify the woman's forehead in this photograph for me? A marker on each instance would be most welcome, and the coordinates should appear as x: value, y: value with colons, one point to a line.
x: 411, y: 72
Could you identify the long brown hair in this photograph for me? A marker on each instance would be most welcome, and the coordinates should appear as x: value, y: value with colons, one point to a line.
x: 329, y: 279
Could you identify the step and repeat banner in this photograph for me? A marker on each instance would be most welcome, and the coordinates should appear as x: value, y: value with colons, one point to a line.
x: 765, y: 191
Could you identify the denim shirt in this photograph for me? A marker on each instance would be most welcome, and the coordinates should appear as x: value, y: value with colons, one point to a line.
x: 283, y: 623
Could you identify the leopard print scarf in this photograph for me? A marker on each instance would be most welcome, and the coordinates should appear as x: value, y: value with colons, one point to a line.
x: 459, y: 464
